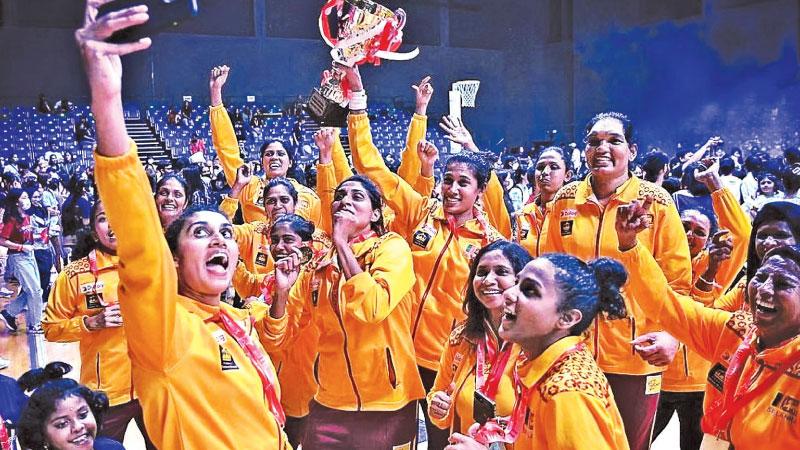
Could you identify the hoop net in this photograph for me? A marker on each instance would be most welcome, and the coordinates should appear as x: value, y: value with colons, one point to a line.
x: 468, y: 90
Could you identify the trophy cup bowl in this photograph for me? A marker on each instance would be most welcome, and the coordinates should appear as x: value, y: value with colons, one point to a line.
x: 367, y: 32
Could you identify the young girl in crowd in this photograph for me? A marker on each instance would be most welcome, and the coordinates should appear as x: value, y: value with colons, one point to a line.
x: 16, y: 235
x: 361, y: 303
x: 580, y: 222
x: 275, y: 159
x: 769, y: 190
x: 444, y: 235
x: 752, y: 384
x: 84, y: 307
x: 474, y: 347
x: 181, y: 339
x: 62, y: 414
x: 563, y: 399
x: 552, y: 170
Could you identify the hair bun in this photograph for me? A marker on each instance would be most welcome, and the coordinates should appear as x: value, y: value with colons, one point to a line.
x: 611, y: 276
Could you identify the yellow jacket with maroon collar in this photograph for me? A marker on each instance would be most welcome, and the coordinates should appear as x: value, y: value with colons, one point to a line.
x: 715, y: 335
x: 197, y: 387
x: 76, y: 295
x: 441, y: 258
x: 577, y: 225
x: 252, y: 196
x: 688, y: 370
x: 529, y: 223
x: 366, y: 355
x: 458, y: 366
x: 571, y: 406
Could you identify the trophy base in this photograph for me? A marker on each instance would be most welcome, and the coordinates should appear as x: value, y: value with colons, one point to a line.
x: 326, y: 112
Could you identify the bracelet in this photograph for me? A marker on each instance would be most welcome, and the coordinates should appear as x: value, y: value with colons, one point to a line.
x: 358, y: 100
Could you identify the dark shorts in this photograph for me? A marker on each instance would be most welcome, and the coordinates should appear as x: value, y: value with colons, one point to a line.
x: 332, y: 429
x: 637, y: 406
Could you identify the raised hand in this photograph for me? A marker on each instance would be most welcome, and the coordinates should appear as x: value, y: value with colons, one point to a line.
x: 424, y: 92
x: 101, y: 59
x: 325, y: 140
x: 286, y: 270
x: 353, y: 77
x: 457, y: 132
x: 216, y: 80
x: 344, y: 226
x: 110, y: 317
x: 428, y: 155
x: 718, y: 251
x: 244, y: 174
x: 631, y: 220
x: 710, y: 177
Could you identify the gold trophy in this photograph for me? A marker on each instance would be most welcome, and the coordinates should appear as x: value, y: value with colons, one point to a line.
x: 367, y: 33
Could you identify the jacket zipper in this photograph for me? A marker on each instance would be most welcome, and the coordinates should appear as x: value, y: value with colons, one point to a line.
x: 430, y: 283
x: 686, y: 361
x: 346, y: 352
x: 97, y: 370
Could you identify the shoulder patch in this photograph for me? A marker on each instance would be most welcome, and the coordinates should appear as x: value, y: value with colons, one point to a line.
x: 567, y: 191
x: 578, y: 372
x: 457, y: 335
x: 659, y: 194
x: 740, y: 322
x: 78, y: 266
x: 261, y: 227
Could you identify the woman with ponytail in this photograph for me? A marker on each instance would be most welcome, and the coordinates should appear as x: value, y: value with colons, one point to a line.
x: 84, y: 307
x: 444, y: 236
x: 61, y: 414
x: 564, y: 400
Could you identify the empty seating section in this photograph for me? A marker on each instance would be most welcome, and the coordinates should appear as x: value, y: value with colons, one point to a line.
x: 29, y: 134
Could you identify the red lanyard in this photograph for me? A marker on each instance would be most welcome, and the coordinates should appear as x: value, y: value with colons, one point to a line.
x: 735, y: 396
x: 258, y: 359
x: 267, y: 286
x: 506, y: 429
x: 5, y: 439
x: 363, y: 236
x: 482, y: 223
x: 499, y: 357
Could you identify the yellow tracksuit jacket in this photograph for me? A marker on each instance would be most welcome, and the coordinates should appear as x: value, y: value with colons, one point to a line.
x: 577, y: 225
x: 529, y: 227
x: 688, y: 370
x: 441, y: 260
x: 76, y: 295
x: 196, y: 386
x: 366, y: 356
x: 252, y: 196
x: 573, y: 407
x: 770, y: 418
x: 458, y: 366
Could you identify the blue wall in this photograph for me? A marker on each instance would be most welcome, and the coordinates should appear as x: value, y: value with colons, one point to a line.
x: 682, y: 69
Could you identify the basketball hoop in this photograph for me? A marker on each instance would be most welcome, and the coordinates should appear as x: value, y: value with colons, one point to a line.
x: 468, y: 90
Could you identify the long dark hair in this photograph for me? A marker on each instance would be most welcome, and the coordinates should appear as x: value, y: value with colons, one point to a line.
x: 301, y: 226
x: 375, y: 199
x: 473, y: 308
x: 10, y: 205
x: 70, y: 212
x: 50, y: 389
x: 783, y: 211
x: 86, y: 239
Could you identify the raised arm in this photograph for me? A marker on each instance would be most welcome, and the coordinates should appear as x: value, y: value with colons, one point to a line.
x: 688, y: 321
x: 222, y: 133
x: 331, y: 151
x: 410, y: 165
x: 230, y: 202
x: 148, y: 281
x: 492, y: 197
x: 408, y: 205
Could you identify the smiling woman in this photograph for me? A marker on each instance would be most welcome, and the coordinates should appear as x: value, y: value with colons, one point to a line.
x: 180, y: 337
x: 752, y: 386
x: 171, y: 198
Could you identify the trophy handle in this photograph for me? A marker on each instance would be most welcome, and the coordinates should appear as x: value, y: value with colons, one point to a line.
x: 401, y: 18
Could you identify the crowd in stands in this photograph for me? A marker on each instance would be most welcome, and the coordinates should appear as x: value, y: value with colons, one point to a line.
x: 265, y: 286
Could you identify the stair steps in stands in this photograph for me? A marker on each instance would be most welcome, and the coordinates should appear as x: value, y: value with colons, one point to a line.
x: 147, y: 142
